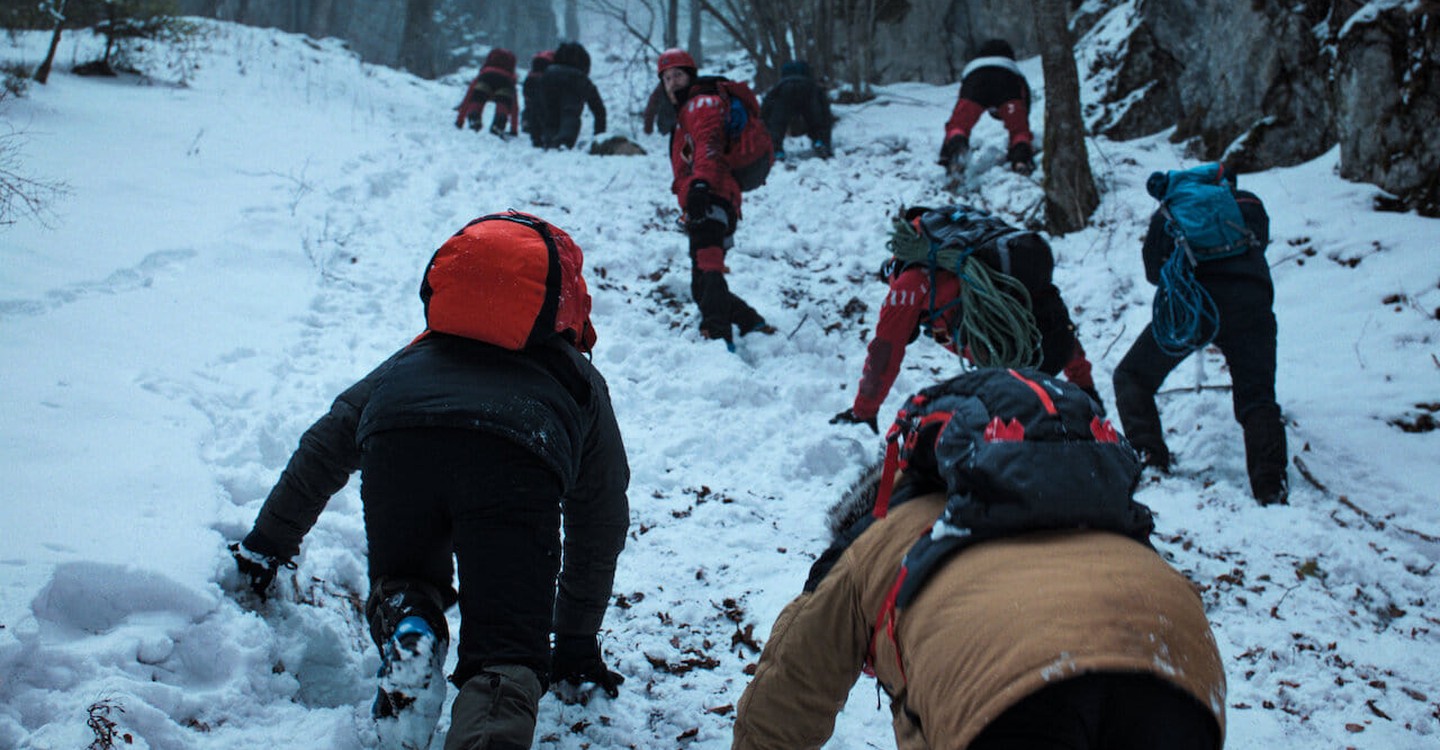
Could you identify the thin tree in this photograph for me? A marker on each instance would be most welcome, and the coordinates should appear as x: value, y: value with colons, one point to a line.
x: 672, y: 23
x: 1070, y: 193
x: 572, y: 19
x: 42, y: 73
x: 696, y: 47
x: 416, y: 55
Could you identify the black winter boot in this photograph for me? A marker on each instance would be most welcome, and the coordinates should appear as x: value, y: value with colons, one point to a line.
x: 1266, y: 455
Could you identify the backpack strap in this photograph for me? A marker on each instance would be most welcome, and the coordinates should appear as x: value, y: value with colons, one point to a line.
x: 885, y: 622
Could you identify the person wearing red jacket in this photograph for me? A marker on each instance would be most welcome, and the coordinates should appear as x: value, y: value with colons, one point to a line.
x: 495, y: 83
x: 911, y: 304
x: 708, y: 194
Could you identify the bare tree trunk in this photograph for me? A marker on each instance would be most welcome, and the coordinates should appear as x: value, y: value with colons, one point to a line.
x: 1070, y: 194
x: 572, y: 20
x: 672, y: 24
x: 42, y: 73
x: 415, y: 42
x: 319, y: 23
x: 823, y: 48
x: 696, y: 48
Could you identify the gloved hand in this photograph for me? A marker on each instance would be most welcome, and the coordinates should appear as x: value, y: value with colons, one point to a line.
x: 697, y: 201
x: 576, y: 659
x: 848, y: 417
x: 955, y: 144
x: 258, y: 569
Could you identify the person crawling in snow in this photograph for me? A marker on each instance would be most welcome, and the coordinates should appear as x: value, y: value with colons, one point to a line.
x: 1244, y: 297
x: 495, y: 83
x: 532, y: 118
x: 565, y: 91
x: 797, y: 105
x: 922, y: 297
x: 1070, y: 638
x: 991, y: 82
x: 472, y: 457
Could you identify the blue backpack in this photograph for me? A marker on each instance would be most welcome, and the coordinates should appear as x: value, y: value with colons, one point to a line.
x: 1201, y: 213
x: 1204, y: 219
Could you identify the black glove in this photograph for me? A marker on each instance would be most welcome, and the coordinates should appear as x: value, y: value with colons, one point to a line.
x: 953, y: 145
x: 576, y: 659
x: 697, y: 201
x: 257, y: 568
x: 848, y: 417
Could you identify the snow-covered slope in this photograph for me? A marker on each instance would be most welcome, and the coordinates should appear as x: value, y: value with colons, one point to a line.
x: 236, y: 250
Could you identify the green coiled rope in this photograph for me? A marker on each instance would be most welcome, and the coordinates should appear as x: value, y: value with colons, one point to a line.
x: 996, y: 322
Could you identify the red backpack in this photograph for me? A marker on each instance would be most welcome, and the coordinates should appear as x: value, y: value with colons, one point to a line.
x: 751, y: 153
x: 508, y: 279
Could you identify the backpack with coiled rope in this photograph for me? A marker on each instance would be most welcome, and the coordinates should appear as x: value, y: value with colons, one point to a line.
x: 994, y: 324
x: 1203, y: 218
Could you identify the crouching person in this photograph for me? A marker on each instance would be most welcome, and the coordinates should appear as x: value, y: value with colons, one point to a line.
x: 475, y: 444
x: 989, y: 623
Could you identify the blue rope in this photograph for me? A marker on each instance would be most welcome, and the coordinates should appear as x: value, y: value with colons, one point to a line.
x: 1185, y: 317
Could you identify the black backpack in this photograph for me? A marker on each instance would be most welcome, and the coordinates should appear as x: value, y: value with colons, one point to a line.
x: 1015, y: 451
x: 996, y: 321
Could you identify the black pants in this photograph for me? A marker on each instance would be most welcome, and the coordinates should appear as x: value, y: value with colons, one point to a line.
x: 720, y: 309
x: 1247, y: 339
x: 801, y: 118
x: 1104, y: 712
x: 430, y: 491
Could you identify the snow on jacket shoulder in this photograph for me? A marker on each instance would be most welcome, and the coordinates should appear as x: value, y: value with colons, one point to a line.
x: 991, y: 62
x: 995, y: 624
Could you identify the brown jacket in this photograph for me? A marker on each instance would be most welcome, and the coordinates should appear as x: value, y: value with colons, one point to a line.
x: 992, y: 626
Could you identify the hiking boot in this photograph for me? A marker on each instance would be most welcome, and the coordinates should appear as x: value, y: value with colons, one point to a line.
x: 411, y: 690
x: 779, y: 155
x: 822, y: 149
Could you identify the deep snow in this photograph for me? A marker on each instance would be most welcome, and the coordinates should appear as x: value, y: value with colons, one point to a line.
x: 235, y: 250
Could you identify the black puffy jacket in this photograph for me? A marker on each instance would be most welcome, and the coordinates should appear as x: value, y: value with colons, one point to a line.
x: 549, y: 399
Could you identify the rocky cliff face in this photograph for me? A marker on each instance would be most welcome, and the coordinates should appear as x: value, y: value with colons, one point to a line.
x: 931, y: 40
x: 1265, y: 84
x: 1387, y: 89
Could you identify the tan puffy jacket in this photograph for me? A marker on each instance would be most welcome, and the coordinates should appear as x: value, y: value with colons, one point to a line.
x: 993, y: 625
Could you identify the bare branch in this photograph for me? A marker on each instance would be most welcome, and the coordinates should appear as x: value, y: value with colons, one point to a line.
x: 22, y: 196
x: 620, y: 12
